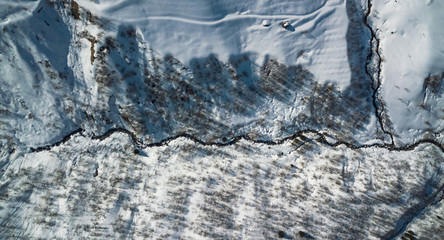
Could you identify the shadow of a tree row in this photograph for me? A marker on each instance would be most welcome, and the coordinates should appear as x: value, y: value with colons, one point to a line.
x: 160, y: 96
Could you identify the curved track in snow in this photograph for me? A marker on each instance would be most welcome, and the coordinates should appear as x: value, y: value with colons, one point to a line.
x: 111, y: 12
x: 230, y: 17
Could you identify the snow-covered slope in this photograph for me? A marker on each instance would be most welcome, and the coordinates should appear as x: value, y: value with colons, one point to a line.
x: 412, y: 73
x: 153, y: 119
x: 227, y: 28
x: 302, y: 189
x: 69, y: 65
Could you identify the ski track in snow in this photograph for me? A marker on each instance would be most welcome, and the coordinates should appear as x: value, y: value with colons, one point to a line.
x: 111, y: 8
x: 227, y: 18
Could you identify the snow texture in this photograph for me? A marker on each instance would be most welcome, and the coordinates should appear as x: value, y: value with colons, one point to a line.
x: 412, y: 50
x: 184, y: 190
x: 251, y: 128
x: 69, y: 65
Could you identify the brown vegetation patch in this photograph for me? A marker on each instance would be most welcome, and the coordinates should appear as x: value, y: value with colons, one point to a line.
x: 75, y: 10
x: 433, y: 82
x: 93, y: 41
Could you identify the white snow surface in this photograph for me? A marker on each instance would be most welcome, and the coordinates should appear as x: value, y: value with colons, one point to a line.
x: 115, y: 189
x: 50, y: 67
x: 225, y: 28
x: 91, y: 189
x: 412, y: 48
x: 40, y: 94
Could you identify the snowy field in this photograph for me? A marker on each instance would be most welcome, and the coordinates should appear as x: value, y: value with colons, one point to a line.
x: 70, y: 65
x: 412, y: 51
x: 226, y: 28
x: 163, y: 119
x: 184, y: 190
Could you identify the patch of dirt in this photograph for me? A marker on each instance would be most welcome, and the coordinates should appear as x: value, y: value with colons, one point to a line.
x: 75, y: 10
x: 93, y: 41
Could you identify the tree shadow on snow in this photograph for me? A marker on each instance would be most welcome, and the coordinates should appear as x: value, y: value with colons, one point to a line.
x: 162, y: 97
